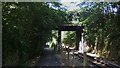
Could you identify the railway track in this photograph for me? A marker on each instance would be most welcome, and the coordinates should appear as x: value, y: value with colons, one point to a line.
x: 98, y: 62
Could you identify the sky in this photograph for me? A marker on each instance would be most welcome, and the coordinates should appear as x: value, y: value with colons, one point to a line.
x: 71, y: 4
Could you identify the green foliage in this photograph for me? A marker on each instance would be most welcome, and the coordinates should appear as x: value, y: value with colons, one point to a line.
x: 26, y: 29
x: 102, y: 28
x: 70, y: 39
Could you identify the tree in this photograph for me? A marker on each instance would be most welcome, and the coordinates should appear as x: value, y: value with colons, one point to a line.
x: 26, y: 29
x: 101, y: 26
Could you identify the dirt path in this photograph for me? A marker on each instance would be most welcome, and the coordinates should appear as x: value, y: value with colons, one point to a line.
x: 49, y: 59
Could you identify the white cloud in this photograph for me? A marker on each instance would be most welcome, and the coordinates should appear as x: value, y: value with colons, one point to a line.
x: 71, y: 6
x: 72, y: 0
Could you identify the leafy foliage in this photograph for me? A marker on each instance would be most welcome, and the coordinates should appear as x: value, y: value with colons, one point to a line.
x: 102, y: 30
x: 101, y: 21
x: 70, y: 39
x: 26, y: 29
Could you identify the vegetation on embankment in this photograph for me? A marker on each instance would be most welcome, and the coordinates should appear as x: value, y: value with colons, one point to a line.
x: 26, y: 27
x: 102, y: 27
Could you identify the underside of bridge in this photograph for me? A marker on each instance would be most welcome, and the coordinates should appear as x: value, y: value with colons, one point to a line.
x: 78, y: 29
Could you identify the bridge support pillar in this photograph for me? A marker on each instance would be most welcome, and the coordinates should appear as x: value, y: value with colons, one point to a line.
x: 78, y: 39
x: 59, y: 40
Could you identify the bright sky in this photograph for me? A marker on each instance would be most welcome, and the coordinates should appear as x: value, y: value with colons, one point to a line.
x: 71, y: 6
x: 72, y: 0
